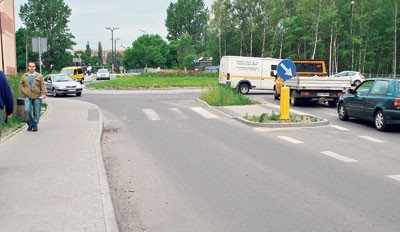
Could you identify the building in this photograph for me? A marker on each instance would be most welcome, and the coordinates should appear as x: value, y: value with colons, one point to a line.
x: 8, y: 50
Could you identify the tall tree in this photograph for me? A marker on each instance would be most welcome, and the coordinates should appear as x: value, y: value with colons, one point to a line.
x: 187, y: 16
x: 99, y: 54
x: 49, y: 18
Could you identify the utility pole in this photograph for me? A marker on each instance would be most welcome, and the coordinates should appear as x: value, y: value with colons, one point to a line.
x: 112, y: 29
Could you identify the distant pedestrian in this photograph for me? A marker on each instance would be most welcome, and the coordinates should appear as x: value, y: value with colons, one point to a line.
x: 6, y: 99
x: 34, y: 89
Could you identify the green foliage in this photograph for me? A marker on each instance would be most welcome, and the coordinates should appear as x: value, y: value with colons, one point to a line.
x: 49, y: 22
x: 158, y: 80
x: 224, y: 96
x: 147, y: 50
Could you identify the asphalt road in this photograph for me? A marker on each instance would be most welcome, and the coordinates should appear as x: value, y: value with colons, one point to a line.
x: 175, y: 165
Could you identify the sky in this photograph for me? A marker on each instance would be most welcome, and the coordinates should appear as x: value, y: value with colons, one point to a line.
x: 90, y: 17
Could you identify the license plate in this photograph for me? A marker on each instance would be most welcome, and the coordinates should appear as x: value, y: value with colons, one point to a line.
x: 71, y: 90
x: 323, y: 94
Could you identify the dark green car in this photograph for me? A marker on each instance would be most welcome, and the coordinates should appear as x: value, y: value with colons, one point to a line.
x: 376, y: 100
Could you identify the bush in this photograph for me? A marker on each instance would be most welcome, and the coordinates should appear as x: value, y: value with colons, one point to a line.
x: 224, y: 96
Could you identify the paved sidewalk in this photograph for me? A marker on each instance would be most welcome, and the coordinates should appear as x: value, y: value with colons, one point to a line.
x: 54, y: 179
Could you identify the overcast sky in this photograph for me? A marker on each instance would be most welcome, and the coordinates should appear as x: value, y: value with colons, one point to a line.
x: 90, y: 17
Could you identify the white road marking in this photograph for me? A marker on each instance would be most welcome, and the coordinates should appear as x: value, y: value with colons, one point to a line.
x: 371, y: 139
x: 180, y: 113
x: 151, y: 115
x: 204, y: 113
x: 339, y: 128
x: 394, y: 177
x: 339, y: 157
x: 292, y: 140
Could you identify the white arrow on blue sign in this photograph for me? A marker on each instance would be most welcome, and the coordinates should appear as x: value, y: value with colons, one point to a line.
x: 286, y: 69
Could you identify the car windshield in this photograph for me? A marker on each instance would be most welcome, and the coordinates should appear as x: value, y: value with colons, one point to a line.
x: 102, y: 71
x: 66, y: 71
x: 62, y: 78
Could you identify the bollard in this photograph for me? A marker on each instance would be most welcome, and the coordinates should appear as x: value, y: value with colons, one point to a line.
x: 21, y: 109
x: 285, y: 96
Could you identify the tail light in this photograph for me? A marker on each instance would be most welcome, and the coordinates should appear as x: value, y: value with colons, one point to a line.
x: 396, y: 102
x: 362, y: 77
x: 228, y: 76
x: 340, y: 94
x: 305, y: 94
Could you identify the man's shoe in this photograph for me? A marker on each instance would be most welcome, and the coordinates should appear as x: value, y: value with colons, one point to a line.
x: 30, y: 128
x: 34, y: 129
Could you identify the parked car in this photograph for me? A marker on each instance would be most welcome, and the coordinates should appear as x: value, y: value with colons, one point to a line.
x: 103, y: 74
x: 376, y: 99
x: 62, y: 84
x: 356, y: 77
x: 75, y: 72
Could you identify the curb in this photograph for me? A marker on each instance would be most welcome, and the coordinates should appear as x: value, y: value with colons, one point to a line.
x: 109, y: 213
x: 323, y: 121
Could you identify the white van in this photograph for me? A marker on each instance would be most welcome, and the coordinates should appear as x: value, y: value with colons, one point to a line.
x: 245, y: 73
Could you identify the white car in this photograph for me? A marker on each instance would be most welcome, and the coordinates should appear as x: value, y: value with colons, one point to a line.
x: 356, y: 77
x: 103, y: 74
x: 62, y: 84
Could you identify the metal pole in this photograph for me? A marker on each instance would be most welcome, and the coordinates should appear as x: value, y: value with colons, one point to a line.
x: 350, y: 66
x: 40, y: 55
x: 112, y: 29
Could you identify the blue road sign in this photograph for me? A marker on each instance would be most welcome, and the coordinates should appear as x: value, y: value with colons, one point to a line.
x: 286, y: 69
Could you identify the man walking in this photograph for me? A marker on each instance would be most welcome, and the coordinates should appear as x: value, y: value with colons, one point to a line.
x: 6, y: 98
x: 34, y: 89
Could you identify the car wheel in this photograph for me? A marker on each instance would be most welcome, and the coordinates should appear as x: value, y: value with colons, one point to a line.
x: 244, y: 88
x: 380, y: 121
x: 342, y: 112
x: 78, y: 94
x: 55, y: 93
x: 357, y: 82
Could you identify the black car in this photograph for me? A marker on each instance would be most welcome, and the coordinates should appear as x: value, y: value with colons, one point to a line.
x: 376, y: 100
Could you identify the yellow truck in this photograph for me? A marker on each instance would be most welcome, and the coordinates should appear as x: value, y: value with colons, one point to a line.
x: 312, y: 83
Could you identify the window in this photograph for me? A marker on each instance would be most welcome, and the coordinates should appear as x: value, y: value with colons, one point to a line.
x: 380, y: 88
x: 364, y: 87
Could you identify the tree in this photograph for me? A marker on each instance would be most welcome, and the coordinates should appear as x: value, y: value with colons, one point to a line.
x: 99, y: 54
x: 49, y: 18
x: 147, y: 50
x: 23, y: 42
x: 187, y: 16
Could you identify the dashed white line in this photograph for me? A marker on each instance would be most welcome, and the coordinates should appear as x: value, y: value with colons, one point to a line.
x: 204, y: 113
x: 339, y: 157
x: 394, y: 177
x: 180, y: 113
x: 371, y: 139
x: 292, y: 140
x: 151, y: 115
x: 339, y: 128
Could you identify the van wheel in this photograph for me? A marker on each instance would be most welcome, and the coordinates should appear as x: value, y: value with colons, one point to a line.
x: 244, y: 88
x: 380, y: 121
x: 357, y: 82
x: 81, y: 81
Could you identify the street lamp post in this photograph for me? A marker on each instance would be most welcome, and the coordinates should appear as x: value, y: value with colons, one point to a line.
x: 115, y: 48
x: 145, y: 51
x: 350, y: 66
x: 112, y: 29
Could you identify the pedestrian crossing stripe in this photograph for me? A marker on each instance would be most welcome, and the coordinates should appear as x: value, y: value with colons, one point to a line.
x: 152, y: 115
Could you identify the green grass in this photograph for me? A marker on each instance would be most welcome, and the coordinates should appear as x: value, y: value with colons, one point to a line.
x: 225, y: 96
x: 154, y: 80
x: 273, y: 117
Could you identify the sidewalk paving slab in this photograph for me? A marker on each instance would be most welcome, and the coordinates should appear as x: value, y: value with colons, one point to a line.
x: 54, y: 179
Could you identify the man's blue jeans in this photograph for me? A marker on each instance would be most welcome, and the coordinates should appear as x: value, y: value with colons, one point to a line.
x: 33, y: 105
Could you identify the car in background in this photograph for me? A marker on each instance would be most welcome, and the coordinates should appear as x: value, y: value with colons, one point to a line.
x: 62, y: 84
x: 212, y: 69
x: 75, y: 72
x: 103, y: 74
x: 376, y: 100
x: 356, y: 77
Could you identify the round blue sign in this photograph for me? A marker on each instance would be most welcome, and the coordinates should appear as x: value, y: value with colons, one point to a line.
x: 286, y: 69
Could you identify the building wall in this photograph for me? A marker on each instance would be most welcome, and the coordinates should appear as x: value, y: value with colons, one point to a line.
x: 8, y: 49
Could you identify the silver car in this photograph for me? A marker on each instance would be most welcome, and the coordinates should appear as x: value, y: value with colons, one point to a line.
x: 356, y: 77
x: 62, y: 84
x: 103, y: 74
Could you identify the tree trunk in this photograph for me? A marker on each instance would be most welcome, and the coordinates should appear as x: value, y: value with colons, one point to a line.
x: 316, y: 30
x: 395, y: 40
